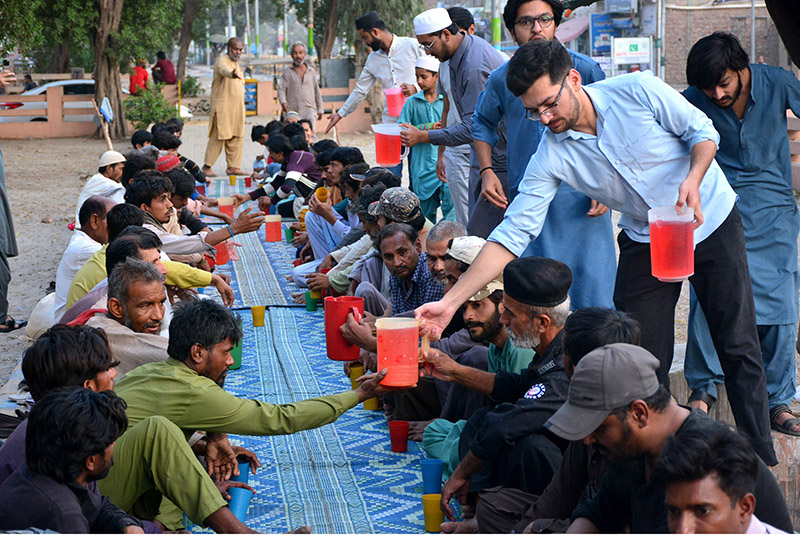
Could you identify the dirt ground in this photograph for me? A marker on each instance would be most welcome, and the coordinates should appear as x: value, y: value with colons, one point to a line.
x: 44, y: 178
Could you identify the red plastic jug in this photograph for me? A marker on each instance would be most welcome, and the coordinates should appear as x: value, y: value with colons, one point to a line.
x: 336, y: 311
x: 398, y: 350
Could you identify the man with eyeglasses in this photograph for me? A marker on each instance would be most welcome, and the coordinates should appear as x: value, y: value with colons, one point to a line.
x: 634, y: 143
x: 471, y: 61
x: 577, y: 230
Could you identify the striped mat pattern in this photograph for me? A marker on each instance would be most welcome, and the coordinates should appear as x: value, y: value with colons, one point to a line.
x: 341, y: 478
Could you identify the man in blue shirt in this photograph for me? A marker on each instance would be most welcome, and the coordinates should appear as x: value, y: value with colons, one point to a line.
x: 577, y: 231
x: 471, y: 61
x: 747, y: 105
x: 634, y: 143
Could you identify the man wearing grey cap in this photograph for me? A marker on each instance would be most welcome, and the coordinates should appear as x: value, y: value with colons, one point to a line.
x: 615, y: 402
x: 506, y: 444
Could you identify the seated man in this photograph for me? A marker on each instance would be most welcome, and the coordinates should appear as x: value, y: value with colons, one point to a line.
x: 105, y: 183
x: 152, y: 458
x: 134, y: 242
x: 93, y: 272
x: 85, y: 241
x: 616, y: 402
x: 509, y: 510
x: 136, y: 297
x: 709, y: 480
x: 187, y: 388
x: 327, y: 222
x: 506, y: 444
x: 151, y: 191
x: 70, y: 444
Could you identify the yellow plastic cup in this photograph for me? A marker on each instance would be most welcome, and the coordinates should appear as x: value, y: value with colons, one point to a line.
x: 371, y: 404
x: 232, y: 179
x: 434, y: 516
x: 258, y: 315
x: 356, y: 371
x: 316, y: 294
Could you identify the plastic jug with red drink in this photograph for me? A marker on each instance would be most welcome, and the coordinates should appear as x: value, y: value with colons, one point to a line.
x: 398, y: 350
x: 226, y: 205
x: 395, y: 99
x: 388, y: 149
x: 336, y: 311
x: 671, y: 243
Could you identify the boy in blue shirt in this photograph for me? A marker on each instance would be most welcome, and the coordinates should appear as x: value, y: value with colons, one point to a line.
x: 424, y: 111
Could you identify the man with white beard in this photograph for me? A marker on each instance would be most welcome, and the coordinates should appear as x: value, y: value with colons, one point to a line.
x: 504, y: 444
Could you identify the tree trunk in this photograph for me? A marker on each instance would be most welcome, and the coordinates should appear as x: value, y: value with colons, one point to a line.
x: 186, y: 36
x: 60, y: 61
x: 331, y: 24
x: 107, y: 81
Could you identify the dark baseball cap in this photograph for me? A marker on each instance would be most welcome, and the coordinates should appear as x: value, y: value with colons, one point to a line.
x: 605, y: 379
x: 397, y: 204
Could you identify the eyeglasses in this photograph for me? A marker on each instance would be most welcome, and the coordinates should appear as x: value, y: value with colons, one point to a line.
x: 429, y: 45
x: 526, y: 23
x: 537, y: 116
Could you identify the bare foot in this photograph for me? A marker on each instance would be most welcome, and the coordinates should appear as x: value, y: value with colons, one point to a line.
x: 416, y: 430
x: 208, y: 172
x: 299, y: 299
x: 468, y: 511
x: 699, y: 404
x: 388, y: 411
x: 234, y: 171
x: 467, y: 526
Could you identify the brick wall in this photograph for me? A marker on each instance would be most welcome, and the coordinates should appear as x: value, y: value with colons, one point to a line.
x: 685, y: 27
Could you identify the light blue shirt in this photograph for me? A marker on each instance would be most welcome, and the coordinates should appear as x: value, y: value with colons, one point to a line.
x: 637, y: 161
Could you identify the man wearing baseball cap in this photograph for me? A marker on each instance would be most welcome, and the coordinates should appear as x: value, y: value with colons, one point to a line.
x: 472, y: 60
x: 616, y: 403
x: 506, y: 444
x: 104, y: 183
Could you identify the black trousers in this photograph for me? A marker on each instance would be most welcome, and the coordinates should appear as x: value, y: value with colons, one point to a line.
x: 722, y: 282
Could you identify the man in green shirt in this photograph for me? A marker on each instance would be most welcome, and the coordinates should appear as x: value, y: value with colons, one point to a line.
x: 187, y: 387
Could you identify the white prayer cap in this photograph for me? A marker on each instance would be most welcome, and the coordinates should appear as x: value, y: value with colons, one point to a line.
x: 111, y: 157
x: 429, y: 63
x: 466, y: 248
x: 432, y: 21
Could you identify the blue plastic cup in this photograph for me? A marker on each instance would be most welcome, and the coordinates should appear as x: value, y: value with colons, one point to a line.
x: 244, y: 472
x: 240, y: 501
x: 432, y: 475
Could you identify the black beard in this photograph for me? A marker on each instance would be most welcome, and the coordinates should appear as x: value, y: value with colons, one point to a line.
x: 375, y: 45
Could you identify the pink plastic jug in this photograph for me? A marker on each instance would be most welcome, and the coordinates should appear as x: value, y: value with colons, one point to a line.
x: 398, y: 350
x: 395, y: 99
x: 671, y: 243
x: 388, y: 149
x: 336, y: 311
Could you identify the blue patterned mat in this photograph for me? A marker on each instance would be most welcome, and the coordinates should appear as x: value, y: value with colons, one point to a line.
x: 340, y: 478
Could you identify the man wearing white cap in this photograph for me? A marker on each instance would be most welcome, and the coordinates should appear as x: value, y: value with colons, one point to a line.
x: 471, y: 61
x: 423, y: 110
x: 104, y: 183
x: 391, y: 61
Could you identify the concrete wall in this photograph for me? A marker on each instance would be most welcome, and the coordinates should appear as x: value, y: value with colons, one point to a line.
x: 685, y: 26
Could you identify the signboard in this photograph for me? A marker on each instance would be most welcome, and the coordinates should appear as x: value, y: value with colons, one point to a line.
x: 621, y: 6
x: 628, y: 50
x: 602, y: 30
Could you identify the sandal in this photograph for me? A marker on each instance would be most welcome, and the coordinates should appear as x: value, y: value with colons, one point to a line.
x: 11, y: 325
x: 786, y: 426
x: 705, y: 397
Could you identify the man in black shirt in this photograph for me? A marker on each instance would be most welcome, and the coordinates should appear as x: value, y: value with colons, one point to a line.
x: 616, y: 404
x: 70, y: 442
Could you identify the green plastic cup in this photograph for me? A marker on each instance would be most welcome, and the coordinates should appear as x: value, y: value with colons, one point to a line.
x: 236, y: 353
x: 311, y: 302
x: 289, y: 232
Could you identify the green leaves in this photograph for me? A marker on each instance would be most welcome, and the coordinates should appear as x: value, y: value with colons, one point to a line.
x: 147, y: 107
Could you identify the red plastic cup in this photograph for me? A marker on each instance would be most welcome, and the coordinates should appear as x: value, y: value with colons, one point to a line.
x: 297, y: 262
x: 201, y: 189
x: 222, y: 253
x: 398, y: 434
x: 248, y: 181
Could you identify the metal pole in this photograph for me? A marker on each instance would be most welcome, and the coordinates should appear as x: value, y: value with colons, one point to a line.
x: 310, y: 27
x: 230, y: 21
x: 752, y: 30
x: 286, y: 28
x: 496, y: 32
x: 258, y: 31
x: 247, y: 25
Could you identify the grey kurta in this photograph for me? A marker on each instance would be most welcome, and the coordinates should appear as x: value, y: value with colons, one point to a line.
x: 8, y: 239
x: 470, y: 66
